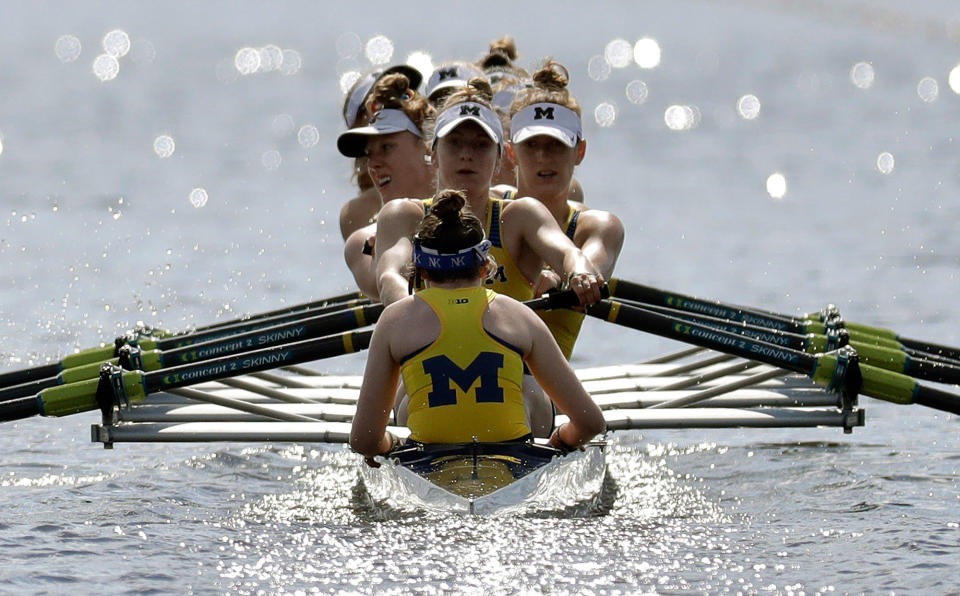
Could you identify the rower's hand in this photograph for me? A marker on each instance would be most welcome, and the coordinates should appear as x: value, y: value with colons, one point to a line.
x: 371, y: 462
x: 587, y: 287
x: 547, y: 280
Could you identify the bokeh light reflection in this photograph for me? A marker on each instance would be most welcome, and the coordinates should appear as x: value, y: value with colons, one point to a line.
x: 637, y: 92
x: 605, y: 114
x: 862, y: 75
x: 116, y: 43
x: 67, y: 48
x: 777, y: 185
x: 618, y: 53
x: 646, y: 53
x: 106, y: 67
x: 928, y: 89
x: 748, y: 107
x: 886, y: 163
x: 379, y: 49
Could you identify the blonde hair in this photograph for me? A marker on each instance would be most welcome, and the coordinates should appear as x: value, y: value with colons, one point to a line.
x: 549, y: 86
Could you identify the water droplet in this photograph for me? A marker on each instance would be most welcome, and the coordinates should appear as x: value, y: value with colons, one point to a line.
x: 605, y: 114
x: 308, y: 136
x: 198, y: 197
x: 646, y: 53
x: 748, y: 107
x: 885, y: 162
x: 379, y: 49
x: 928, y: 89
x: 347, y: 80
x: 292, y: 63
x: 106, y: 67
x: 67, y: 48
x: 954, y: 79
x: 247, y: 61
x: 349, y: 45
x: 598, y: 68
x: 164, y: 146
x: 637, y: 92
x: 862, y: 75
x: 618, y: 53
x: 116, y: 43
x: 271, y: 160
x: 776, y: 185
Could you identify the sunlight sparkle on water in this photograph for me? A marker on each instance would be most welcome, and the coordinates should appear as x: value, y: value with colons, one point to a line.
x: 379, y: 49
x: 928, y: 89
x: 349, y: 45
x: 282, y: 125
x: 247, y: 60
x: 885, y: 162
x: 271, y: 58
x: 776, y: 185
x: 116, y: 43
x: 954, y: 79
x: 598, y: 69
x: 862, y: 75
x: 308, y: 136
x: 637, y: 92
x: 646, y: 53
x: 618, y: 53
x: 421, y: 60
x: 164, y: 146
x: 271, y: 160
x: 292, y: 62
x: 198, y: 197
x: 605, y: 114
x: 67, y: 48
x: 681, y: 117
x: 347, y: 80
x: 106, y: 67
x: 748, y: 107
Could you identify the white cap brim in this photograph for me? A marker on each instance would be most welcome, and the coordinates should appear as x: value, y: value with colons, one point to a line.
x: 353, y: 143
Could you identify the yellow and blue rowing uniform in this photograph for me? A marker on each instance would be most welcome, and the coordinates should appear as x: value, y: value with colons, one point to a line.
x: 564, y: 323
x: 468, y: 384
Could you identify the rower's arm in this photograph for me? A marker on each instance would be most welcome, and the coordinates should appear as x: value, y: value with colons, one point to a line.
x: 361, y: 264
x: 368, y: 434
x: 393, y: 251
x: 541, y: 233
x: 560, y: 382
x: 602, y: 234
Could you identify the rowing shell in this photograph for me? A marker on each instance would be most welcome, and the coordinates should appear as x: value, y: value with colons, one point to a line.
x: 486, y: 478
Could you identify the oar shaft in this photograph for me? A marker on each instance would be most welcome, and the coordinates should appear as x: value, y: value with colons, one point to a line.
x: 18, y: 377
x: 297, y: 308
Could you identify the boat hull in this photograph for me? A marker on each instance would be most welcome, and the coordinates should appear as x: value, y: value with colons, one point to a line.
x: 486, y: 478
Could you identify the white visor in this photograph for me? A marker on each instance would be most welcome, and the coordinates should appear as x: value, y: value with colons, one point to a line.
x: 451, y: 75
x: 457, y: 114
x: 546, y: 119
x: 356, y: 98
x: 353, y: 143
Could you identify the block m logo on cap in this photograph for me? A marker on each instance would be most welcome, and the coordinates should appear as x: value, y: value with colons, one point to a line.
x: 447, y: 73
x: 470, y: 111
x: 541, y: 113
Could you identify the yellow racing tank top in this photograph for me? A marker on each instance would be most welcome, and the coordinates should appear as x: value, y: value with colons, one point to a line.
x: 507, y: 279
x: 468, y: 383
x: 564, y: 323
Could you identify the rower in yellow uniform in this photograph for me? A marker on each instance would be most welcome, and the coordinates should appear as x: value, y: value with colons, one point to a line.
x: 460, y: 349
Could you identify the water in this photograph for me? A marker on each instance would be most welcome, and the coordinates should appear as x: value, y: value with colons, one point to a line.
x: 98, y: 231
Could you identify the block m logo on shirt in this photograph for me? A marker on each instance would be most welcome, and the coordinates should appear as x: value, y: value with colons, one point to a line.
x: 442, y: 371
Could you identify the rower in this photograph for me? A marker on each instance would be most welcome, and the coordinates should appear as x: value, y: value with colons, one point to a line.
x: 397, y: 160
x: 467, y: 146
x: 460, y: 349
x: 547, y: 144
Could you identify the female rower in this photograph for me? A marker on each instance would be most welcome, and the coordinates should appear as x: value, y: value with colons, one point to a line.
x: 466, y: 152
x: 547, y: 144
x: 360, y: 210
x: 397, y: 161
x: 460, y: 349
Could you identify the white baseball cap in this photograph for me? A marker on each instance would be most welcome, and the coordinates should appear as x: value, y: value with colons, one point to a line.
x: 353, y: 143
x: 457, y: 114
x: 549, y: 119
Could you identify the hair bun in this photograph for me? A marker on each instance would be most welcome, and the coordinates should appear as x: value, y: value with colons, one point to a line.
x: 552, y: 76
x: 448, y: 205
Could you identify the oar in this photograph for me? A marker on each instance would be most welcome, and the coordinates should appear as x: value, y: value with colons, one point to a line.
x: 832, y: 370
x: 135, y: 357
x: 883, y: 353
x: 116, y: 385
x: 147, y: 342
x: 809, y: 323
